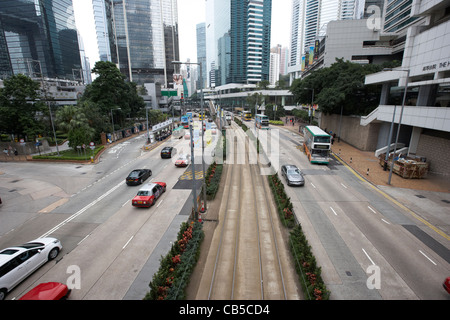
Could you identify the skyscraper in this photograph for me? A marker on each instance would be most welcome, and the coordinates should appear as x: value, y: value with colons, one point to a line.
x: 39, y: 38
x: 144, y: 39
x: 101, y: 29
x: 238, y: 39
x: 201, y: 52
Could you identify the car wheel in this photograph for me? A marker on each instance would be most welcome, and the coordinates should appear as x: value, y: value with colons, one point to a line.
x: 53, y: 254
x: 2, y: 294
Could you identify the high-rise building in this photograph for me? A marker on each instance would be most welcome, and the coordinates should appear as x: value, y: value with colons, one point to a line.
x: 238, y: 38
x: 309, y: 23
x: 274, y: 72
x: 201, y: 52
x: 39, y: 38
x: 144, y: 39
x: 101, y: 29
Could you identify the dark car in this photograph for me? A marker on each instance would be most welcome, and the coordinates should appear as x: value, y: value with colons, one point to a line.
x: 138, y: 176
x: 168, y: 152
x: 292, y: 175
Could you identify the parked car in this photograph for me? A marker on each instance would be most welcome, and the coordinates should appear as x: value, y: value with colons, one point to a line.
x: 183, y: 160
x: 148, y: 194
x: 168, y: 152
x: 292, y: 175
x: 138, y: 176
x: 18, y: 262
x: 48, y: 291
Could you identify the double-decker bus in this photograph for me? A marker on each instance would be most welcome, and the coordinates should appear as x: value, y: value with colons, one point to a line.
x: 246, y: 115
x: 317, y: 144
x: 262, y: 121
x: 185, y: 122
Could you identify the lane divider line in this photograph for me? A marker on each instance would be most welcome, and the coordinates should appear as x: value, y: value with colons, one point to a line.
x: 412, y: 213
x: 82, y: 210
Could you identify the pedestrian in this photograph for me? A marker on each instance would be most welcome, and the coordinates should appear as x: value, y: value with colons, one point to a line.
x: 15, y: 152
x: 5, y: 151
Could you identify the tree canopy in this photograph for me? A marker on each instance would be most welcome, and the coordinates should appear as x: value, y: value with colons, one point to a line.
x: 340, y: 85
x: 110, y: 91
x: 19, y: 106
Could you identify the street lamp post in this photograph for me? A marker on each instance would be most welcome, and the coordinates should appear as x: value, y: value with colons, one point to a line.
x: 112, y: 123
x: 399, y: 121
x: 203, y: 133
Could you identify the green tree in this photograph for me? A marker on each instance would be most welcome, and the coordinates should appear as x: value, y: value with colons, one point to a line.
x: 110, y: 91
x: 339, y: 87
x: 73, y: 121
x: 20, y: 105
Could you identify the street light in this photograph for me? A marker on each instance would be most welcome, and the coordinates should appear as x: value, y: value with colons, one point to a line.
x: 112, y: 123
x: 203, y: 119
x: 399, y: 121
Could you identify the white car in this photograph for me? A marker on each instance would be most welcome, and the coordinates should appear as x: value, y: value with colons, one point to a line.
x: 17, y: 263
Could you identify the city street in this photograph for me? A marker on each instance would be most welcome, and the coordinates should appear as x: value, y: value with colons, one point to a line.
x: 88, y: 208
x: 353, y: 227
x: 355, y: 231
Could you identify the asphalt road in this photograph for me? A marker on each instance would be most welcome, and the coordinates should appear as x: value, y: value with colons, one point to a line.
x: 88, y: 208
x: 357, y: 233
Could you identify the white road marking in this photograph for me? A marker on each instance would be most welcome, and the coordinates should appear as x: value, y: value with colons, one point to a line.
x: 82, y: 210
x: 127, y: 242
x: 333, y: 211
x: 371, y: 209
x: 368, y: 256
x: 427, y: 257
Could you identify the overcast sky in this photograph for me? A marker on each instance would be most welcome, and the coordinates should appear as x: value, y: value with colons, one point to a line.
x: 190, y: 13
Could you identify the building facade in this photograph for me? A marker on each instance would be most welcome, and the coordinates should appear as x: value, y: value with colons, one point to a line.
x: 144, y: 39
x: 39, y: 38
x: 238, y: 40
x: 425, y: 73
x: 201, y: 52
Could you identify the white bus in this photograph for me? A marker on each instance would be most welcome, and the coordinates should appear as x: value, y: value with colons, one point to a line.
x: 317, y: 144
x: 262, y: 121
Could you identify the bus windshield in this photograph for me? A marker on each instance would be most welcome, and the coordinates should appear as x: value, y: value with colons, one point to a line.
x: 323, y: 139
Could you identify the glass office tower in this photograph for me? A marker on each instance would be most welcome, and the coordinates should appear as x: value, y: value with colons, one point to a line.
x: 241, y: 40
x: 144, y: 39
x: 39, y: 38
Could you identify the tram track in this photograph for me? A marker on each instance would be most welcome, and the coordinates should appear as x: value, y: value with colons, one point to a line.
x: 247, y: 262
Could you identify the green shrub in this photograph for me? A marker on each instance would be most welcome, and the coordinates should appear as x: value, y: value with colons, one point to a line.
x: 172, y: 277
x: 282, y: 201
x: 276, y: 122
x: 213, y: 176
x: 306, y: 266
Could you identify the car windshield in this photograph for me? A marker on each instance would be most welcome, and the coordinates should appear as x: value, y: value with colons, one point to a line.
x: 30, y: 245
x: 143, y: 193
x: 293, y: 171
x: 134, y: 174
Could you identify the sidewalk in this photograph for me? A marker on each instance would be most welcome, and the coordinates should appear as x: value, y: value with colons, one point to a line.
x: 363, y: 161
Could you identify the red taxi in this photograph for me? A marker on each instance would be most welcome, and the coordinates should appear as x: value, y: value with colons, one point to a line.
x: 148, y: 194
x: 48, y: 291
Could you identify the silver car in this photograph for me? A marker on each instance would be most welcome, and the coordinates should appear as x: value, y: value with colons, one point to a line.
x: 17, y: 263
x: 293, y: 175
